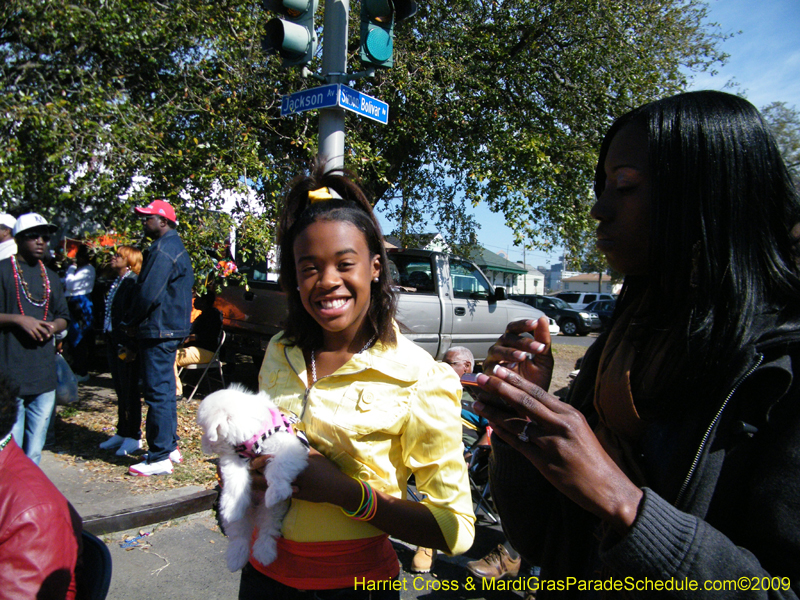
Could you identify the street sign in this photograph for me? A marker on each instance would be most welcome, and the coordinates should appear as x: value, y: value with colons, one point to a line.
x: 363, y: 105
x: 324, y: 96
x: 335, y: 94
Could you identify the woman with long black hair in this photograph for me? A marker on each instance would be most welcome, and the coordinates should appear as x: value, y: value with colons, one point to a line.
x: 675, y: 458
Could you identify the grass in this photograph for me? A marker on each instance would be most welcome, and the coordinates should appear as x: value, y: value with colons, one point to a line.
x: 80, y: 427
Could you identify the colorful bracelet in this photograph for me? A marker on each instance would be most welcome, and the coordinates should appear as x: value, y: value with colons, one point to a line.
x: 367, y: 507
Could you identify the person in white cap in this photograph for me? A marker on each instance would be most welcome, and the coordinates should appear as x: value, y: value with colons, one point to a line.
x: 8, y: 247
x: 32, y: 311
x: 160, y: 311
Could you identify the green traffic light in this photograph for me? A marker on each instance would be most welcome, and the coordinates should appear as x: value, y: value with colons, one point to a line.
x: 378, y: 44
x: 294, y: 38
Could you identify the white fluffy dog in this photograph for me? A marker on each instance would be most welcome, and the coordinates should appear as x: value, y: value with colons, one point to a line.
x: 238, y: 425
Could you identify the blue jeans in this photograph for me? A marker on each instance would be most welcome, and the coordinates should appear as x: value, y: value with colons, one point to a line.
x: 157, y: 365
x: 33, y: 417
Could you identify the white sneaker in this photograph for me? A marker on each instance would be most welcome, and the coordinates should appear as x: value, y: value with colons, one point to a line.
x: 129, y: 446
x: 176, y: 456
x: 145, y: 469
x: 112, y: 443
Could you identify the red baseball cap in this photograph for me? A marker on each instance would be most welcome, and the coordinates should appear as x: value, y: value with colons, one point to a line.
x: 158, y: 208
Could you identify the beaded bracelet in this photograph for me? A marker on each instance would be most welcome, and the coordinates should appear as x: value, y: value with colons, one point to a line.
x: 367, y: 507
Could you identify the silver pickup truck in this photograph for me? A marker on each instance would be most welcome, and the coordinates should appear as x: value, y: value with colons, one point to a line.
x: 443, y: 301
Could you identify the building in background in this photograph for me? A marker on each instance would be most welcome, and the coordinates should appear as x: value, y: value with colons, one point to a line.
x: 499, y: 271
x: 532, y: 282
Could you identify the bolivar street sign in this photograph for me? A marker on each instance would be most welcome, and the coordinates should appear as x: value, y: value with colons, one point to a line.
x: 335, y: 94
x: 363, y: 105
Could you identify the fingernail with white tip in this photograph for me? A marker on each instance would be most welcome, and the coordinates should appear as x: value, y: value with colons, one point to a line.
x: 499, y: 371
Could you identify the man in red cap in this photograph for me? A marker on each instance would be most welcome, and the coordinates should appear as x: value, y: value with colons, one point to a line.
x: 160, y: 311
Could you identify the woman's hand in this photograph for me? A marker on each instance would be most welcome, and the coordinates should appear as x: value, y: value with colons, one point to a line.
x: 558, y: 441
x: 531, y: 355
x: 321, y: 481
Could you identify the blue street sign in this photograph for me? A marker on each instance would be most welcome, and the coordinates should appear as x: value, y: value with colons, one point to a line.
x: 324, y: 96
x: 363, y: 105
x: 335, y: 94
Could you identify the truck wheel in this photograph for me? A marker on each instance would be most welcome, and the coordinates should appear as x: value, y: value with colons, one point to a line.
x: 569, y: 327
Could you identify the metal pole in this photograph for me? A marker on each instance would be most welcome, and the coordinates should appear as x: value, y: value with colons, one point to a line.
x: 334, y: 69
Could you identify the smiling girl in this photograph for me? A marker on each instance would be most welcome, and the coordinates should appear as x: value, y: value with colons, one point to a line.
x: 375, y: 408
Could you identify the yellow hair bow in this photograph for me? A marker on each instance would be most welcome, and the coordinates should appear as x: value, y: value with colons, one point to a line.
x: 320, y: 195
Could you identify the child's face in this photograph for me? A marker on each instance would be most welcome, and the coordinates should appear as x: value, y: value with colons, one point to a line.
x: 335, y: 270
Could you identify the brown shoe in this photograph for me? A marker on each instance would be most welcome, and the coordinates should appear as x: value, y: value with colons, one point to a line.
x: 495, y: 565
x: 423, y: 560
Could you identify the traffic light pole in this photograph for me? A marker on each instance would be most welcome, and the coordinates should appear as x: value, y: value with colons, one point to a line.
x: 334, y: 70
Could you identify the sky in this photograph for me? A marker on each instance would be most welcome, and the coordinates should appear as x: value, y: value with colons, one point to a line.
x: 764, y: 62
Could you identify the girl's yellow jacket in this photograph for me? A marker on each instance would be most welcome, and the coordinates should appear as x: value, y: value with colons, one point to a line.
x: 385, y: 414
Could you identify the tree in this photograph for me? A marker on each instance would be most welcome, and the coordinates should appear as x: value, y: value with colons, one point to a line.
x: 105, y: 104
x: 506, y: 102
x: 785, y: 125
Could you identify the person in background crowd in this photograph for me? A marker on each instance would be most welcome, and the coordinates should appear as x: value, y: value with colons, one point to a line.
x: 32, y: 311
x: 200, y: 346
x: 40, y: 532
x: 159, y: 315
x: 675, y: 457
x: 79, y: 283
x: 121, y: 352
x: 8, y: 247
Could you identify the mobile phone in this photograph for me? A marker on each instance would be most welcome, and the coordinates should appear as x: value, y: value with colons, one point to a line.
x: 471, y: 380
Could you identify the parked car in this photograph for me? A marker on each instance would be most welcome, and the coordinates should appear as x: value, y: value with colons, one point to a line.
x: 603, y: 309
x: 581, y: 299
x: 570, y: 320
x: 554, y: 328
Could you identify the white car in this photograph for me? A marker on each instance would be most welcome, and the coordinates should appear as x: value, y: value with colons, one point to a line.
x: 554, y: 328
x: 579, y: 300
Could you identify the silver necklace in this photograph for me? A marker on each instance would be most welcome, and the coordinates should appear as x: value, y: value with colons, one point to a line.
x: 314, y: 362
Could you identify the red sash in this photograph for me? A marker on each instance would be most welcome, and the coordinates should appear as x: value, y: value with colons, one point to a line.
x: 331, y: 565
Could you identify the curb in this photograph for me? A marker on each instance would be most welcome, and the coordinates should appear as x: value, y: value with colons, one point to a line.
x: 149, y: 514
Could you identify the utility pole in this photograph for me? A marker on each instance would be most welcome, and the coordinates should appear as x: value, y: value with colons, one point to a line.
x: 334, y: 70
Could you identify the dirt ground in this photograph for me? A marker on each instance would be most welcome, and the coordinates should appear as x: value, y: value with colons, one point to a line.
x: 565, y: 356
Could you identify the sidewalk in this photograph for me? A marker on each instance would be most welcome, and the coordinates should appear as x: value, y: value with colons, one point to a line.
x: 107, y: 507
x: 95, y: 481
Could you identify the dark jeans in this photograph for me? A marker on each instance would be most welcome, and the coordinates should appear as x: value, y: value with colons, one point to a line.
x: 254, y: 585
x: 125, y: 376
x: 158, y: 376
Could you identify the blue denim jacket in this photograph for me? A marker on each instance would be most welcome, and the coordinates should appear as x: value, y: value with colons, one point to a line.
x: 162, y: 298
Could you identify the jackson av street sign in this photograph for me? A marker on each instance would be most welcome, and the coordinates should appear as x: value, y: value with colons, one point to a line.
x: 319, y: 97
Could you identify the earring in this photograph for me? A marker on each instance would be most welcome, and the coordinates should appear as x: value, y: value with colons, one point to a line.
x: 298, y: 288
x: 376, y: 280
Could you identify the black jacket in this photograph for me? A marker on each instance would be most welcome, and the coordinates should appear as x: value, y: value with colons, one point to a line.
x: 723, y: 504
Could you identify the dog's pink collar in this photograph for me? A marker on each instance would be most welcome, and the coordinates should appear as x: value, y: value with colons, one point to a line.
x: 252, y: 447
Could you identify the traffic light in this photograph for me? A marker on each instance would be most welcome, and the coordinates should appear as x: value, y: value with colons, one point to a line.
x: 294, y: 38
x: 377, y: 28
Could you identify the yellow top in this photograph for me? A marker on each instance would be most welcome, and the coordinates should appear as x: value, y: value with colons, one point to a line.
x: 385, y: 414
